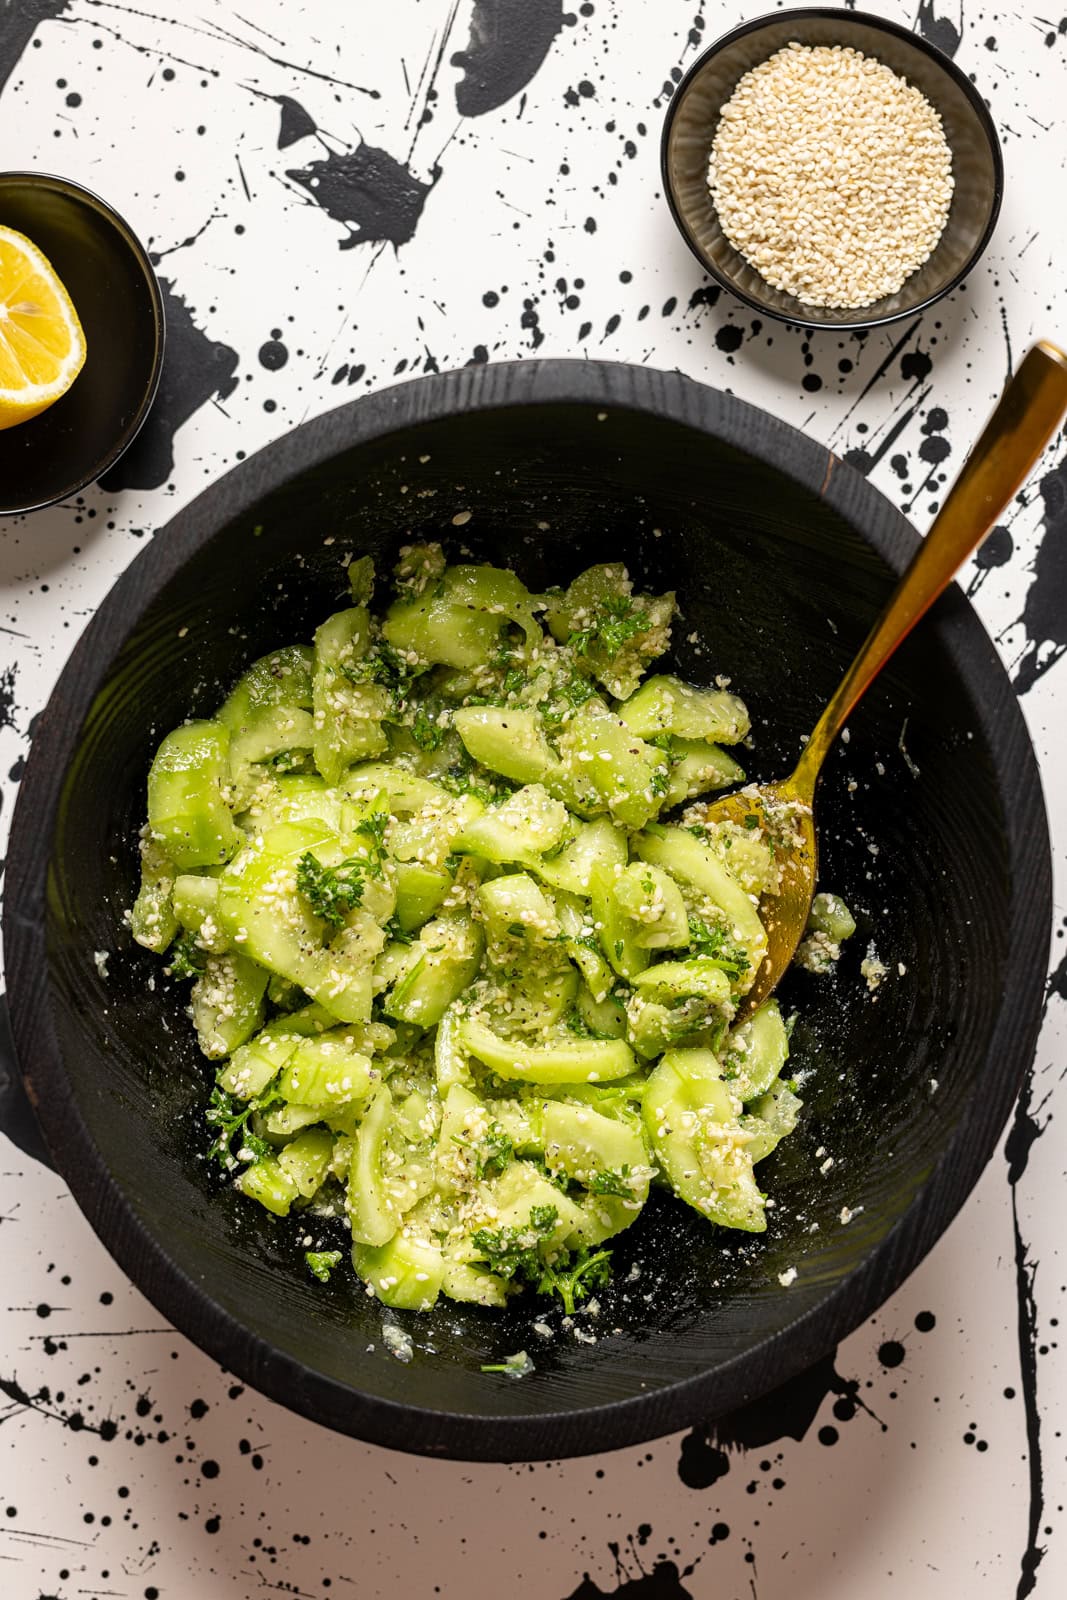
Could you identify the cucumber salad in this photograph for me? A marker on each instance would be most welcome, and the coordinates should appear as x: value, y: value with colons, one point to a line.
x: 462, y: 942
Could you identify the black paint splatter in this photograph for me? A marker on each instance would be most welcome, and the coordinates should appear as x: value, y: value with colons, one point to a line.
x: 662, y: 1582
x: 376, y: 197
x: 19, y: 20
x: 701, y: 1463
x: 273, y: 354
x: 508, y: 41
x: 196, y: 369
x: 995, y: 551
x: 296, y: 122
x: 1025, y: 1131
x: 787, y: 1412
x: 41, y: 1402
x: 1044, y: 615
x: 1057, y: 983
x: 916, y: 365
x: 939, y: 31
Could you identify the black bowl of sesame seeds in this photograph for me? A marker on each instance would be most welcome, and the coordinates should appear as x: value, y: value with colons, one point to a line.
x: 831, y: 168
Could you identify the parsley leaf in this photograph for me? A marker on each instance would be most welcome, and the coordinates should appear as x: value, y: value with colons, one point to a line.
x: 576, y: 1276
x: 382, y: 664
x: 615, y: 621
x: 567, y: 695
x: 515, y: 1252
x: 373, y: 828
x: 186, y: 959
x: 322, y: 1262
x: 608, y: 1182
x: 494, y: 1152
x: 426, y: 731
x: 230, y: 1116
x: 717, y: 946
x: 332, y: 892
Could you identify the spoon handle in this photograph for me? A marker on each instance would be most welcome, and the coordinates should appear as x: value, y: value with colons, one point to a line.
x: 1027, y: 415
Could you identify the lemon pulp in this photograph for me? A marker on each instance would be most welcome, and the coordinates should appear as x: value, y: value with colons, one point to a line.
x: 42, y: 346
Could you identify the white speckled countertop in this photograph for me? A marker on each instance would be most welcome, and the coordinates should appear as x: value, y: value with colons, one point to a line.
x: 252, y: 148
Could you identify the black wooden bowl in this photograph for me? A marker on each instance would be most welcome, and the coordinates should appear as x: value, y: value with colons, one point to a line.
x: 110, y: 280
x: 781, y: 555
x: 693, y: 119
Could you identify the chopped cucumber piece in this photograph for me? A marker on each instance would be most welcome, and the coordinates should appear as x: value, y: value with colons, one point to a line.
x: 527, y: 825
x: 696, y: 1139
x: 694, y: 863
x: 442, y: 962
x: 830, y: 915
x: 630, y: 776
x: 404, y: 1273
x: 348, y: 711
x: 667, y: 705
x: 756, y: 1052
x: 227, y: 1001
x: 566, y: 1060
x: 652, y: 902
x: 187, y: 812
x: 153, y: 920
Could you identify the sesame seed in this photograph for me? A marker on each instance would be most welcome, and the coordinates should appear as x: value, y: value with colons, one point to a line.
x: 831, y: 175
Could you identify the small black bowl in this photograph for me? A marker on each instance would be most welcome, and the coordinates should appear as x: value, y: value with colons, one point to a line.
x: 977, y: 165
x: 110, y: 280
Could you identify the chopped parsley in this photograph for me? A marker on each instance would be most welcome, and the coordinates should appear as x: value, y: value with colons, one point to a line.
x: 382, y: 664
x: 186, y: 959
x: 321, y: 1263
x: 373, y: 828
x: 516, y: 1366
x: 567, y: 695
x: 576, y: 1276
x: 716, y: 945
x: 515, y: 1253
x: 331, y: 892
x: 230, y: 1116
x: 494, y: 1152
x: 514, y: 682
x: 289, y: 761
x: 608, y: 1182
x: 615, y: 622
x: 426, y: 730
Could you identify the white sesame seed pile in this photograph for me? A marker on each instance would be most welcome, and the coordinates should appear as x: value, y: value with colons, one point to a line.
x: 831, y: 175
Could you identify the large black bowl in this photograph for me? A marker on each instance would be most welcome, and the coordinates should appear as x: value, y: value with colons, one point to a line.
x: 781, y: 555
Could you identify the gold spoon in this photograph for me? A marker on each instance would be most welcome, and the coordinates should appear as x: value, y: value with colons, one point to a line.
x: 1027, y: 415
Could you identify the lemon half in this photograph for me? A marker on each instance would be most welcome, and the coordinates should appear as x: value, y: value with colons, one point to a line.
x: 42, y: 346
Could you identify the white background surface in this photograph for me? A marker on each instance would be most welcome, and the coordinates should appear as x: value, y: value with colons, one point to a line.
x: 908, y: 1507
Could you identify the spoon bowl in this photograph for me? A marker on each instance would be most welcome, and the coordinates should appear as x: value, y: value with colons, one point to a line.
x: 1027, y: 415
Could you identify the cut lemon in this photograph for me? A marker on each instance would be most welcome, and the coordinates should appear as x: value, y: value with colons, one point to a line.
x: 42, y: 346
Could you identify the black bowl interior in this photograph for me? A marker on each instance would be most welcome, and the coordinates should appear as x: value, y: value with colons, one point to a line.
x: 776, y: 588
x: 114, y: 290
x: 693, y: 120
